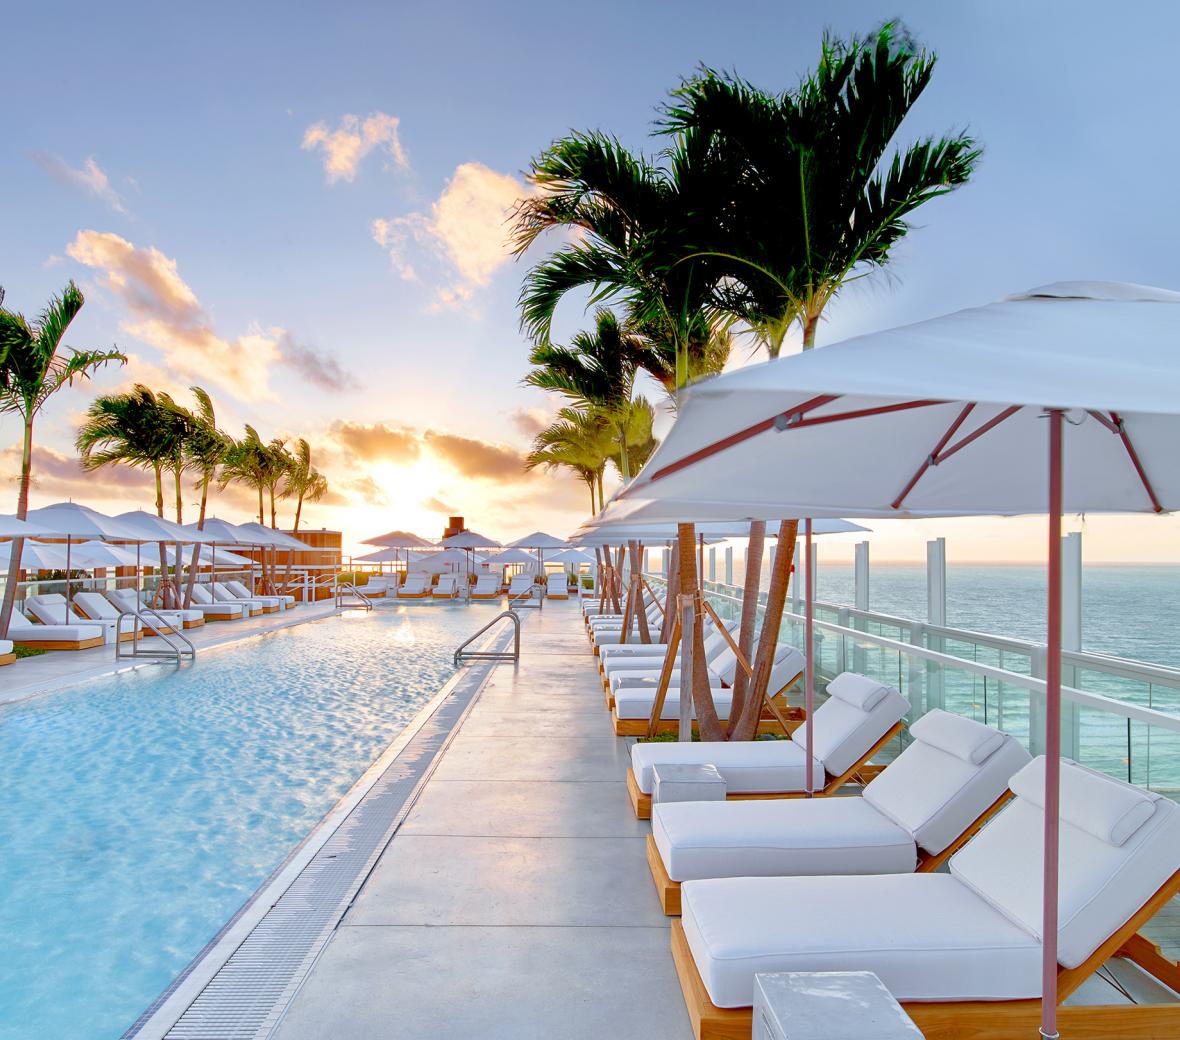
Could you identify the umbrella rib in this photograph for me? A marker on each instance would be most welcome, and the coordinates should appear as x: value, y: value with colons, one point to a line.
x: 991, y: 424
x: 781, y: 420
x: 1133, y: 455
x: 932, y: 458
x: 860, y: 413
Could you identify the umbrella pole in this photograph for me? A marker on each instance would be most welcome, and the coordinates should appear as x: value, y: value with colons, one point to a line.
x: 68, y: 583
x: 1052, y: 733
x: 809, y: 643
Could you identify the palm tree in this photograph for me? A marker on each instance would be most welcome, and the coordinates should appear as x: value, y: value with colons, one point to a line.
x: 575, y: 440
x: 247, y: 461
x: 646, y: 233
x: 636, y: 423
x: 204, y: 450
x: 306, y: 484
x: 278, y: 465
x: 31, y: 372
x: 819, y: 192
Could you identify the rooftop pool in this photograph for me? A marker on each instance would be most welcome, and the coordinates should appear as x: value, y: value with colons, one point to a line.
x: 142, y: 810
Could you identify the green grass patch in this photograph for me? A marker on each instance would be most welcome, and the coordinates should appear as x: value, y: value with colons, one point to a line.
x: 28, y: 651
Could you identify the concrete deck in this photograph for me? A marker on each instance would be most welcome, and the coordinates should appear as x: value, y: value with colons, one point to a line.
x: 515, y: 899
x: 55, y: 669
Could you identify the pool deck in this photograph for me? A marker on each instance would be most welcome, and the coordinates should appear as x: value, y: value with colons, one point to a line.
x: 515, y: 899
x: 56, y: 669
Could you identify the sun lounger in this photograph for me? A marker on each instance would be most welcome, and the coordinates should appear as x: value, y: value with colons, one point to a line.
x: 414, y: 587
x: 52, y: 609
x: 223, y: 595
x: 375, y: 587
x: 447, y: 587
x: 556, y: 587
x: 219, y: 610
x: 633, y: 706
x: 23, y: 632
x: 7, y: 653
x: 719, y: 656
x: 240, y: 590
x: 913, y: 816
x: 961, y: 951
x: 521, y: 585
x: 859, y: 717
x: 98, y: 608
x: 186, y: 617
x: 487, y: 586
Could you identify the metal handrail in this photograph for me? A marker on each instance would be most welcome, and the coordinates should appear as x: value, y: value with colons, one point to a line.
x: 345, y: 588
x: 491, y: 655
x: 525, y: 599
x: 147, y: 618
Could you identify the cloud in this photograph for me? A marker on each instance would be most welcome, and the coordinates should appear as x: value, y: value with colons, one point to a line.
x: 90, y: 179
x: 376, y: 442
x: 166, y: 314
x: 345, y: 148
x: 315, y: 365
x: 61, y: 476
x: 476, y: 458
x: 369, y: 490
x: 465, y: 234
x: 437, y: 505
x: 530, y: 421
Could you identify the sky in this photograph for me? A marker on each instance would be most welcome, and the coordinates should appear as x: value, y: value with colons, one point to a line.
x: 301, y: 207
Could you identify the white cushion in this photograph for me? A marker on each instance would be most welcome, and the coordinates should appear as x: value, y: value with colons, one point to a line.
x: 749, y: 766
x: 927, y: 936
x: 936, y: 795
x: 843, y: 733
x: 96, y: 606
x: 5, y: 646
x: 1107, y: 808
x: 957, y: 735
x: 858, y: 690
x: 637, y: 702
x: 778, y: 838
x: 1101, y: 884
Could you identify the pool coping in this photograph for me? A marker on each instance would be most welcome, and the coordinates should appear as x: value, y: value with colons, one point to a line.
x: 166, y: 1011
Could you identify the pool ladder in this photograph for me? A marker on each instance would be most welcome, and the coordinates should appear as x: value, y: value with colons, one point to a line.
x: 345, y: 589
x: 463, y: 654
x: 147, y: 620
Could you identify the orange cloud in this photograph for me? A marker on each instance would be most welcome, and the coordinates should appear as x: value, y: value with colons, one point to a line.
x: 476, y: 458
x: 345, y: 148
x: 376, y: 442
x: 90, y: 178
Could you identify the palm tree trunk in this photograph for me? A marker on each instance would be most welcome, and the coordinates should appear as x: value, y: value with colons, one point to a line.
x: 179, y: 495
x: 22, y: 511
x: 294, y: 534
x: 261, y: 514
x: 698, y: 683
x: 809, y: 326
x: 158, y: 472
x: 624, y: 462
x: 590, y: 485
x: 741, y: 684
x: 273, y: 523
x: 195, y: 560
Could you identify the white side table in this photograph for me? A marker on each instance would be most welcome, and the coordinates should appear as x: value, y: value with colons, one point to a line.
x: 828, y: 1005
x: 687, y: 783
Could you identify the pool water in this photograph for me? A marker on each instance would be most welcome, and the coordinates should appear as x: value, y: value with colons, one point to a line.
x: 141, y: 811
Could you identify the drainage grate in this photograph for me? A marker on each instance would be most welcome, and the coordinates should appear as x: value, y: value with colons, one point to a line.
x: 248, y: 995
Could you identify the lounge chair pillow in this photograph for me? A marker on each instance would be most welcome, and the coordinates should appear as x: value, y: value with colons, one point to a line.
x: 956, y: 735
x: 1111, y: 811
x: 842, y: 732
x: 858, y: 690
x: 1101, y: 884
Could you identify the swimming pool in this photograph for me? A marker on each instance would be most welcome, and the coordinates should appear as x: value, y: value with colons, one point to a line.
x: 140, y: 811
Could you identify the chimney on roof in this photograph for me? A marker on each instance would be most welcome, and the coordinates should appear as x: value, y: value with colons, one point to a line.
x: 455, y: 526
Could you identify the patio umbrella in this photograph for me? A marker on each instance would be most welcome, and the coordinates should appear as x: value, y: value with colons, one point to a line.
x: 11, y: 527
x: 540, y: 541
x: 42, y: 556
x: 152, y: 528
x: 468, y: 540
x: 1066, y: 397
x: 73, y: 522
x: 399, y: 540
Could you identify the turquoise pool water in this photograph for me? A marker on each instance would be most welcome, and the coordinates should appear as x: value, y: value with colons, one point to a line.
x: 140, y: 812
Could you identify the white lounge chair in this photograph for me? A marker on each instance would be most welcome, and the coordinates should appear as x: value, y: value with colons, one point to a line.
x: 719, y: 656
x: 7, y: 653
x: 375, y: 587
x: 859, y: 717
x: 446, y: 588
x: 186, y: 617
x: 521, y: 585
x: 52, y: 609
x: 487, y: 586
x: 633, y: 705
x: 23, y: 632
x: 96, y: 607
x: 223, y: 595
x: 556, y: 587
x: 913, y: 816
x: 221, y: 610
x: 961, y: 951
x: 240, y: 590
x: 414, y: 587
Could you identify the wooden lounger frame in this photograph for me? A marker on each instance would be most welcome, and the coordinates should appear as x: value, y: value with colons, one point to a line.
x: 58, y: 644
x: 8, y: 658
x: 993, y: 1019
x: 483, y: 595
x: 641, y: 802
x: 217, y: 615
x: 669, y: 890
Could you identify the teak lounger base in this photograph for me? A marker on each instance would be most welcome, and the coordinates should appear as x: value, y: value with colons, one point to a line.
x: 669, y: 890
x: 59, y: 644
x: 413, y: 595
x: 993, y: 1019
x: 859, y: 771
x: 9, y: 658
x: 219, y: 616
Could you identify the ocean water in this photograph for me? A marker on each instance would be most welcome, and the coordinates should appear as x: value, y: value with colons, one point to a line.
x: 141, y: 811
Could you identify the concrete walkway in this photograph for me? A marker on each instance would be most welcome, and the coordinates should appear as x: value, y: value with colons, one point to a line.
x: 515, y: 899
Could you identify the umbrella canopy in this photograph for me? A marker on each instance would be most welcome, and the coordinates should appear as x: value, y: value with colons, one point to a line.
x: 468, y: 540
x: 436, y: 562
x: 70, y: 520
x: 11, y: 527
x: 570, y: 558
x: 380, y: 556
x: 210, y: 556
x: 102, y: 554
x: 1062, y: 398
x: 220, y: 532
x: 152, y: 528
x: 511, y: 556
x: 539, y: 540
x: 264, y: 535
x: 399, y: 540
x: 43, y: 556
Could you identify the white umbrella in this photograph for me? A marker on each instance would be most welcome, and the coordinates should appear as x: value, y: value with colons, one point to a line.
x: 468, y: 540
x: 104, y: 554
x: 42, y: 556
x: 218, y: 531
x: 11, y: 527
x: 511, y: 556
x: 399, y: 540
x: 574, y: 557
x: 539, y: 540
x: 72, y: 521
x: 1066, y: 397
x: 380, y: 556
